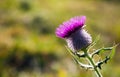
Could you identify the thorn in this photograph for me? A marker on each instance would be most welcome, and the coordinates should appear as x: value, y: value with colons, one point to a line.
x: 85, y: 66
x: 80, y: 55
x: 107, y: 58
x: 99, y: 65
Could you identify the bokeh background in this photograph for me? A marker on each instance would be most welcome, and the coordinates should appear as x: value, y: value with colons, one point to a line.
x: 29, y: 47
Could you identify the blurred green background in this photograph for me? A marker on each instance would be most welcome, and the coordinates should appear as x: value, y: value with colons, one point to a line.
x: 29, y: 47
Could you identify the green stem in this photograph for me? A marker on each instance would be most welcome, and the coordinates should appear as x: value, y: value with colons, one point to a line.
x: 93, y: 64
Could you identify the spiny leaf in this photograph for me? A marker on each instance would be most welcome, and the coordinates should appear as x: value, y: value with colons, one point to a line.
x: 81, y: 55
x: 77, y: 59
x: 93, y: 44
x: 101, y: 50
x: 96, y: 40
x: 99, y: 64
x: 113, y: 51
x: 104, y: 49
x: 72, y: 53
x: 69, y: 51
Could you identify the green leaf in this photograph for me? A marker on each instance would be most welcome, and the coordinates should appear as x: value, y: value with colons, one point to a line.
x: 70, y: 51
x: 102, y: 50
x: 75, y: 57
x: 93, y: 44
x: 113, y: 51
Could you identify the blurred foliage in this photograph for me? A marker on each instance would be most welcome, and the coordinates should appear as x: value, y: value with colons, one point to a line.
x: 29, y: 47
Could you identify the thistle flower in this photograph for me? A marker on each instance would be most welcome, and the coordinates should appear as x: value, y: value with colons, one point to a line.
x: 77, y: 39
x: 74, y: 33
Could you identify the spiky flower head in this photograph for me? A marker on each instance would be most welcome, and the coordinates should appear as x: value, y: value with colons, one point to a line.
x: 73, y: 32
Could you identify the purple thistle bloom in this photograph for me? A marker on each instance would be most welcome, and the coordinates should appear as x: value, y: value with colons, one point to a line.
x: 68, y: 27
x: 74, y: 34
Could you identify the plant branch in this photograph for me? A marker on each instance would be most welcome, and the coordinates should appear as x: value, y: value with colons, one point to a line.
x: 91, y: 61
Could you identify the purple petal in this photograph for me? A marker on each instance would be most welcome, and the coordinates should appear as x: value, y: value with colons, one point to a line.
x: 70, y: 26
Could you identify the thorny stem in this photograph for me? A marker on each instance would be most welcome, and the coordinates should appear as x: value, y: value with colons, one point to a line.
x: 91, y: 61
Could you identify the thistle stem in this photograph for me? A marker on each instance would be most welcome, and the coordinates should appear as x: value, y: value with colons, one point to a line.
x: 91, y: 61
